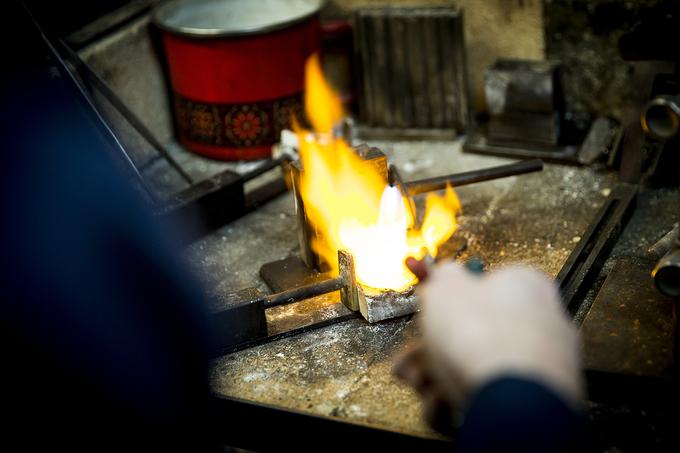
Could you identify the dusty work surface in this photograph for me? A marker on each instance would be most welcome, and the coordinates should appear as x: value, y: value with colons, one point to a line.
x: 345, y: 370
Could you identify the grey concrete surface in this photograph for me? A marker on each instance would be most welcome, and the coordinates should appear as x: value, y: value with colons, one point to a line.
x: 345, y: 370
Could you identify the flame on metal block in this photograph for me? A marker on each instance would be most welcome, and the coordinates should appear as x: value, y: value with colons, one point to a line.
x: 352, y: 204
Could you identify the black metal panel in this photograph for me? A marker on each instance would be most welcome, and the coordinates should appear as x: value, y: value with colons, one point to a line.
x: 241, y: 322
x: 208, y: 204
x: 262, y: 427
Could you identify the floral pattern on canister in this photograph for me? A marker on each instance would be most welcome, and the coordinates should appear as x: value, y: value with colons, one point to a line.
x: 247, y: 125
x: 235, y: 125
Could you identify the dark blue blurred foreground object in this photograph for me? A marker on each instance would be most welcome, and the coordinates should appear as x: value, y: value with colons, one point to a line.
x: 105, y: 340
x: 518, y: 415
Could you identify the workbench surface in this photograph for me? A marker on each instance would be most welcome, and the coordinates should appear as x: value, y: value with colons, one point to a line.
x: 344, y: 370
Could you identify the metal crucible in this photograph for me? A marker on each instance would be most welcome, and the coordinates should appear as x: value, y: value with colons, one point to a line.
x: 307, y: 232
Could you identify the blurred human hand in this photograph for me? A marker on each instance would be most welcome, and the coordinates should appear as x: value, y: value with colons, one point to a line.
x: 509, y: 322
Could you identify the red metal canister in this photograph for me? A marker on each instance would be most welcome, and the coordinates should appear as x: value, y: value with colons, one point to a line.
x: 237, y: 70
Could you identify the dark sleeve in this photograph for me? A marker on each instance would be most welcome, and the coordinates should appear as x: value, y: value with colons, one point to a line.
x: 102, y: 326
x: 515, y: 414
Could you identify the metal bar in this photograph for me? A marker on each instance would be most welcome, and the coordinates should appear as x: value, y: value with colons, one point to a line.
x: 91, y: 77
x: 217, y: 201
x: 303, y: 292
x: 585, y: 262
x: 265, y: 167
x: 474, y: 176
x: 50, y: 40
x: 664, y: 245
x: 109, y: 23
x: 228, y: 349
x: 261, y: 195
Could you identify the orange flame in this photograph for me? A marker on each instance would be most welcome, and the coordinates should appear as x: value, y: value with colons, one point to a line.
x: 353, y: 207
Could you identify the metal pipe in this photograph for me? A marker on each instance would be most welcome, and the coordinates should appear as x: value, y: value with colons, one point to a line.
x: 660, y: 248
x: 661, y: 117
x: 474, y: 176
x: 661, y: 120
x: 303, y: 292
x: 265, y: 167
x: 666, y: 274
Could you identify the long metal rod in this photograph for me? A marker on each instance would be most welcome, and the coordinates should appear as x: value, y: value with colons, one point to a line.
x: 95, y: 81
x: 303, y: 292
x: 474, y: 176
x: 50, y: 41
x: 659, y: 249
x: 265, y: 167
